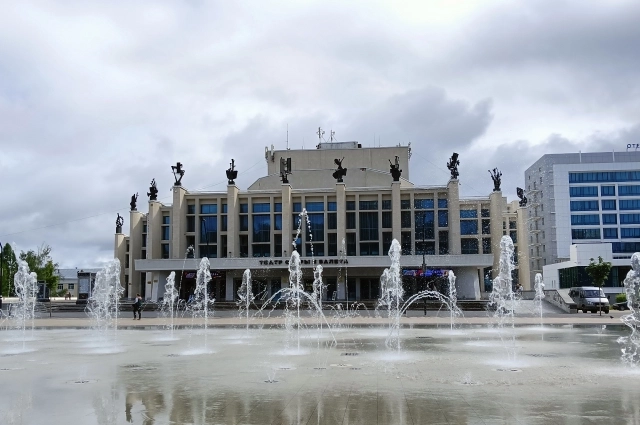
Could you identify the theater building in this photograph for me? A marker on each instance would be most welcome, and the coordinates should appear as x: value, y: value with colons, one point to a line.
x: 340, y: 206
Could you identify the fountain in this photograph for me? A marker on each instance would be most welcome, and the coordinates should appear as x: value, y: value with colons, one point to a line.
x: 539, y: 297
x: 453, y: 299
x: 200, y: 305
x: 631, y: 343
x: 391, y: 293
x: 103, y: 305
x: 245, y: 295
x: 26, y: 287
x: 169, y: 299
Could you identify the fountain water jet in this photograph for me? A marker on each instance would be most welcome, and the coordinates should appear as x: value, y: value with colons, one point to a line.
x: 539, y: 297
x: 103, y: 306
x: 169, y: 299
x: 245, y: 295
x: 201, y: 294
x: 391, y: 293
x: 26, y: 287
x: 631, y: 343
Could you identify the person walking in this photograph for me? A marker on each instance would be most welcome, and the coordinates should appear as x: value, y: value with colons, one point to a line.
x: 137, y: 307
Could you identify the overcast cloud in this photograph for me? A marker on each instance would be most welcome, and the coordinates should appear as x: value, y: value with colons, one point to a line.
x: 98, y: 98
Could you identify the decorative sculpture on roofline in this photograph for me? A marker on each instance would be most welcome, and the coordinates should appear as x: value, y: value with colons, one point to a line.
x: 134, y: 200
x: 452, y: 165
x: 232, y: 173
x: 153, y: 191
x: 340, y: 172
x: 523, y: 199
x: 119, y: 223
x: 285, y: 169
x: 395, y: 170
x: 178, y: 172
x: 495, y: 176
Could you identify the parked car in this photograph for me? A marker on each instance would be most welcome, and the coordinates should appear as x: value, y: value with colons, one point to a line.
x: 589, y: 298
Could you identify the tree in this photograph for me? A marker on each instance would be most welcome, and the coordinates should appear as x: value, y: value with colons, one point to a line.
x: 42, y: 264
x: 599, y: 273
x: 9, y: 269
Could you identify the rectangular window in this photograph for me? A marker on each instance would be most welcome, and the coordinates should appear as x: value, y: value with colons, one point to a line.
x: 191, y: 209
x: 209, y: 229
x: 368, y: 227
x: 608, y: 190
x: 486, y: 227
x: 486, y: 245
x: 144, y: 241
x: 315, y: 206
x: 351, y: 244
x: 316, y: 223
x: 208, y: 208
x: 332, y: 247
x: 224, y: 208
x: 386, y: 204
x: 585, y: 233
x: 351, y: 205
x: 165, y: 250
x: 443, y: 242
x: 405, y: 204
x: 386, y: 220
x: 405, y: 243
x: 223, y: 246
x: 277, y: 207
x: 351, y: 220
x: 442, y: 203
x: 629, y: 232
x: 424, y: 225
x: 604, y: 177
x: 261, y: 207
x: 60, y: 286
x: 261, y: 250
x: 387, y: 238
x: 629, y: 218
x: 423, y: 204
x: 468, y: 227
x: 514, y: 236
x: 610, y: 233
x: 244, y: 245
x: 609, y: 219
x: 166, y: 233
x: 223, y: 223
x: 428, y: 247
x: 332, y: 221
x: 443, y: 218
x: 485, y: 213
x: 277, y: 222
x: 512, y: 225
x: 368, y: 205
x: 469, y: 246
x: 277, y: 245
x: 166, y: 219
x: 405, y: 219
x: 369, y: 248
x: 332, y: 206
x: 608, y: 204
x: 72, y: 286
x: 583, y: 191
x: 468, y: 214
x: 630, y: 204
x: 629, y: 190
x: 584, y: 205
x: 261, y: 228
x: 244, y: 223
x: 191, y: 224
x: 587, y: 219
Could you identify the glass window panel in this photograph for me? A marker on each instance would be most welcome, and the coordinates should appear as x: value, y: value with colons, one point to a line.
x: 191, y: 209
x: 583, y: 191
x: 485, y: 212
x: 609, y: 219
x: 468, y: 227
x: 244, y: 223
x: 315, y: 206
x: 317, y: 227
x: 469, y: 246
x: 368, y: 226
x: 585, y: 233
x: 386, y: 204
x: 166, y: 233
x: 608, y: 204
x: 223, y: 223
x: 332, y: 248
x: 224, y: 208
x: 405, y: 219
x: 486, y: 245
x: 443, y: 218
x: 351, y: 220
x: 386, y: 220
x: 261, y: 228
x: 405, y: 204
x: 244, y: 208
x: 629, y: 218
x: 209, y: 229
x: 368, y: 205
x: 166, y: 219
x: 628, y: 190
x: 584, y: 205
x: 261, y: 207
x: 351, y: 205
x: 468, y: 213
x: 208, y: 208
x: 369, y: 248
x: 424, y: 225
x: 586, y: 219
x: 277, y: 223
x: 423, y: 204
x: 191, y: 223
x: 630, y: 204
x: 610, y: 233
x: 443, y: 203
x: 332, y: 221
x: 332, y: 206
x: 277, y: 207
x: 608, y: 190
x: 443, y: 242
x: 630, y: 232
x: 486, y: 227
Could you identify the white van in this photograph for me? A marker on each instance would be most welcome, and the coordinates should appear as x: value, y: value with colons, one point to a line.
x: 589, y: 298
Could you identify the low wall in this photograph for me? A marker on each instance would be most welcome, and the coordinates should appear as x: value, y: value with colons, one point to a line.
x: 560, y: 298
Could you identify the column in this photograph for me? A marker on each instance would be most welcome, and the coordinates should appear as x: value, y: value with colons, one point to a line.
x: 135, y: 251
x: 178, y: 223
x: 524, y: 266
x: 287, y: 225
x: 396, y: 213
x: 453, y: 201
x: 232, y: 221
x: 496, y: 207
x: 341, y: 219
x: 120, y: 251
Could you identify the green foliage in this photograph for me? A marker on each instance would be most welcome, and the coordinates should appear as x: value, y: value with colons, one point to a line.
x: 9, y: 269
x: 42, y: 263
x: 598, y: 272
x: 620, y: 298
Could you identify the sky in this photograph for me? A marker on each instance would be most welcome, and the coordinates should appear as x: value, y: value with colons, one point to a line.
x: 97, y: 98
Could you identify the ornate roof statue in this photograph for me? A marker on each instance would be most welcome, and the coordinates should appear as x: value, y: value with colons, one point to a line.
x: 153, y: 191
x: 452, y: 165
x: 232, y: 173
x: 340, y: 172
x: 134, y: 200
x: 119, y: 223
x: 395, y: 170
x: 178, y: 172
x: 523, y: 199
x: 495, y: 176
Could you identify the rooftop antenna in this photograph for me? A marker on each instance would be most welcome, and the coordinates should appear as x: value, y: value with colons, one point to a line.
x: 287, y: 136
x: 320, y: 133
x: 333, y: 133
